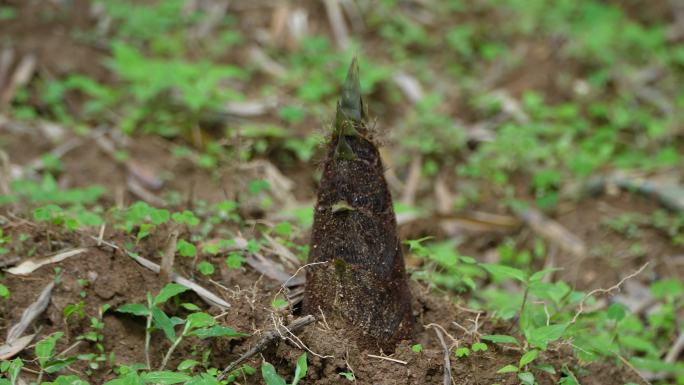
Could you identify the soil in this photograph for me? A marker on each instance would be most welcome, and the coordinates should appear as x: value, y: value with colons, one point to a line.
x: 116, y: 279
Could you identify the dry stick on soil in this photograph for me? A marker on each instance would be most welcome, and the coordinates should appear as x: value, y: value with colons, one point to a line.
x: 100, y: 235
x: 447, y: 362
x: 15, y: 342
x: 249, y: 108
x: 31, y: 313
x: 412, y: 181
x: 676, y: 349
x: 61, y: 150
x: 10, y: 350
x: 265, y: 63
x: 552, y: 231
x: 21, y: 76
x: 206, y: 295
x: 6, y: 59
x: 605, y: 291
x: 670, y: 195
x: 169, y: 255
x: 632, y: 368
x: 9, y: 261
x: 31, y: 265
x: 409, y: 85
x: 339, y: 28
x: 387, y: 359
x: 141, y: 192
x: 294, y: 339
x: 268, y: 339
x: 214, y: 15
x: 5, y: 174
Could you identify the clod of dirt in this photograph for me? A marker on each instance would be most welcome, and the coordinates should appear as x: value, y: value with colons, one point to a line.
x: 357, y: 277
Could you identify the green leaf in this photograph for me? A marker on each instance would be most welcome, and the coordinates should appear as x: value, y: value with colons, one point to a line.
x: 301, y: 369
x: 526, y: 378
x: 508, y: 369
x: 56, y: 364
x: 234, y: 260
x: 164, y: 377
x: 67, y: 380
x: 200, y: 320
x: 167, y: 292
x: 4, y: 291
x: 14, y: 369
x: 159, y: 216
x: 206, y: 268
x: 667, y: 288
x: 186, y: 249
x: 135, y: 309
x: 556, y: 291
x: 187, y: 364
x: 283, y: 229
x: 45, y: 347
x: 540, y: 337
x: 501, y: 271
x: 278, y: 303
x: 130, y: 378
x: 211, y: 248
x: 501, y: 339
x: 348, y: 375
x: 656, y: 365
x: 203, y: 379
x: 163, y: 322
x: 186, y: 217
x: 638, y: 344
x: 190, y: 306
x: 270, y: 375
x: 145, y: 230
x: 537, y: 276
x: 417, y: 348
x: 462, y: 352
x: 548, y: 368
x: 528, y: 357
x: 616, y: 312
x: 479, y: 347
x: 217, y: 331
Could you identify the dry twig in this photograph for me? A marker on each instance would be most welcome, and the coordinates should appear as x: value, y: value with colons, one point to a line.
x: 387, y: 359
x: 604, y: 291
x: 268, y: 339
x: 22, y: 75
x: 552, y: 231
x: 339, y: 28
x: 16, y: 341
x: 669, y: 195
x: 169, y: 255
x: 27, y: 267
x: 447, y: 361
x: 31, y: 313
x: 676, y: 349
x: 206, y: 295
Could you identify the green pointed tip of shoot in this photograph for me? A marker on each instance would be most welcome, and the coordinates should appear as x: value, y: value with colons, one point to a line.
x: 351, y: 103
x: 343, y: 151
